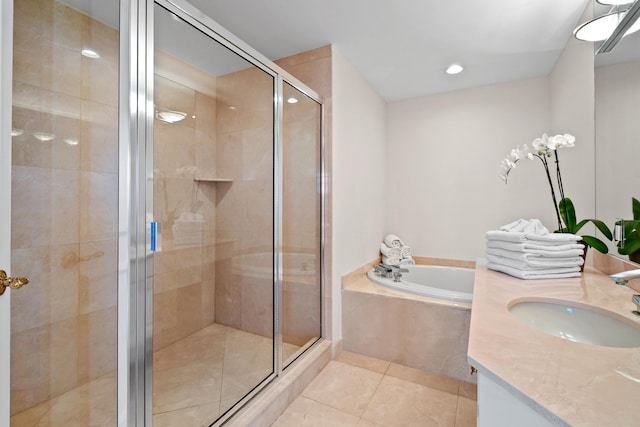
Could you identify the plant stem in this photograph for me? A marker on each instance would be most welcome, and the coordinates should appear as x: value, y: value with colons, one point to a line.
x: 553, y: 193
x: 560, y: 186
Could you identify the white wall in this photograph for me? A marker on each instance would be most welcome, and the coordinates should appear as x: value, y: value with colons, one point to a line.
x: 572, y: 111
x: 444, y: 153
x: 359, y: 197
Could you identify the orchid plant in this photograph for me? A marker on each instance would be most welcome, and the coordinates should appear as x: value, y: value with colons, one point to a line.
x: 546, y: 149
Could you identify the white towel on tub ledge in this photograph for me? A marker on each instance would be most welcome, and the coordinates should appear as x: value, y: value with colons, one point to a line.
x: 391, y: 260
x: 391, y: 252
x: 393, y: 241
x: 407, y: 261
x: 529, y: 275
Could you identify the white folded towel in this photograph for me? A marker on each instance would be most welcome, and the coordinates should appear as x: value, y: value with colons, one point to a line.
x: 392, y: 252
x: 519, y: 237
x: 393, y: 241
x: 539, y: 274
x: 405, y: 251
x: 407, y: 261
x: 537, y: 254
x: 572, y: 264
x: 531, y: 226
x: 532, y: 246
x: 391, y: 260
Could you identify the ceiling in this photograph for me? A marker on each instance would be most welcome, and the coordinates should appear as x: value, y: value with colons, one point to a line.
x: 402, y: 47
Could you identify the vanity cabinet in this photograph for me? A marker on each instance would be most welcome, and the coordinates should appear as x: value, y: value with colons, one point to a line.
x: 500, y: 407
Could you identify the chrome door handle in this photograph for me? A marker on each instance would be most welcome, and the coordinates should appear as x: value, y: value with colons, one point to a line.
x: 11, y: 282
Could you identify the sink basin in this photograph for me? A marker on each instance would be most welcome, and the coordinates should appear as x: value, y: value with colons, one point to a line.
x: 579, y: 323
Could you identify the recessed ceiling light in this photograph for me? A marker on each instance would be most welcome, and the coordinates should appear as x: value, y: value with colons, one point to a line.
x: 90, y: 53
x: 454, y: 69
x: 292, y: 100
x: 16, y: 132
x: 71, y: 141
x: 41, y: 136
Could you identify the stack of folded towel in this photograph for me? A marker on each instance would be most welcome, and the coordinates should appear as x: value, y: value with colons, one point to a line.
x: 525, y: 249
x: 395, y: 252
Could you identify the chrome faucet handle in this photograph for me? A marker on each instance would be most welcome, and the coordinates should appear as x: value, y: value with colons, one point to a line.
x: 636, y: 300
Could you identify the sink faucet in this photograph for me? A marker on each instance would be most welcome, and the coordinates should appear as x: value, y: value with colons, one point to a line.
x: 623, y: 277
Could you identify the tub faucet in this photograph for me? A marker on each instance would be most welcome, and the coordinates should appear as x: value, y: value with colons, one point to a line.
x: 623, y: 277
x: 389, y: 271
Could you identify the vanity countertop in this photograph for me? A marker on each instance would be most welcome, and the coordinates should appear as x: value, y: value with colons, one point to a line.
x: 567, y: 382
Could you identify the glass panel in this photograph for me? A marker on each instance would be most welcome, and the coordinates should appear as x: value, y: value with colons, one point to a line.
x: 301, y: 219
x: 213, y: 195
x: 64, y: 213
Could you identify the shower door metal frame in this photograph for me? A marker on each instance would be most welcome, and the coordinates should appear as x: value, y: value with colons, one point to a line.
x: 135, y: 260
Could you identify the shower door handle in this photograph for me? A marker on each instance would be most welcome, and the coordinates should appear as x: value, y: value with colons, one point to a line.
x: 11, y: 282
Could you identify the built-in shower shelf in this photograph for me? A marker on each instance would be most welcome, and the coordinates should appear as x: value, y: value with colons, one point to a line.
x: 198, y: 179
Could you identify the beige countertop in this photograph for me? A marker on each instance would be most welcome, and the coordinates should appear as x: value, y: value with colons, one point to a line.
x: 567, y: 382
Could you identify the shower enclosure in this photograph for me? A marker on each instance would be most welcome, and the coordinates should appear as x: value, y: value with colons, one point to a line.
x: 166, y: 206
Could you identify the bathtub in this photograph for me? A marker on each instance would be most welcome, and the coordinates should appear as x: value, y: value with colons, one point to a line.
x: 445, y: 283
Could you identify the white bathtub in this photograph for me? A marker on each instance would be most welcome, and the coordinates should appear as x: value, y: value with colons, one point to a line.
x: 447, y: 283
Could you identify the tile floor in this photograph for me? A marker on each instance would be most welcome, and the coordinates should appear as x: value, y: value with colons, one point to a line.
x: 356, y: 390
x: 194, y: 381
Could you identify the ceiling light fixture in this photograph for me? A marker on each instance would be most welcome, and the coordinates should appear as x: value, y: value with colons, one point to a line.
x: 16, y: 132
x: 292, y: 100
x: 454, y: 69
x: 90, y: 53
x: 614, y: 2
x: 71, y: 141
x: 169, y: 116
x: 612, y: 26
x: 41, y: 136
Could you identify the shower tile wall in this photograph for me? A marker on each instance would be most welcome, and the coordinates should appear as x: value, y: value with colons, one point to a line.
x: 65, y: 193
x: 184, y: 276
x: 244, y: 220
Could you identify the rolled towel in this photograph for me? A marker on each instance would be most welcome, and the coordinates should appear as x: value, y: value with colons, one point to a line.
x: 405, y: 251
x: 393, y: 241
x: 407, y: 261
x: 391, y: 252
x: 532, y: 246
x: 391, y: 260
x: 540, y: 274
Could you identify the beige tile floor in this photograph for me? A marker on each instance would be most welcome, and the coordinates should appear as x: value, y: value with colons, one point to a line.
x: 356, y: 390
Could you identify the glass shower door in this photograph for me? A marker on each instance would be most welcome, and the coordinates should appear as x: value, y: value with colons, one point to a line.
x: 213, y: 277
x: 64, y: 213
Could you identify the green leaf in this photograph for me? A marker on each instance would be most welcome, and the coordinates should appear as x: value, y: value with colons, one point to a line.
x: 635, y: 207
x: 630, y: 246
x: 603, y: 228
x: 596, y: 244
x: 568, y: 214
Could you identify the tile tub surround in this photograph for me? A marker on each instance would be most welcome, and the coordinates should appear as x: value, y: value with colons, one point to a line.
x: 577, y: 383
x: 419, y: 332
